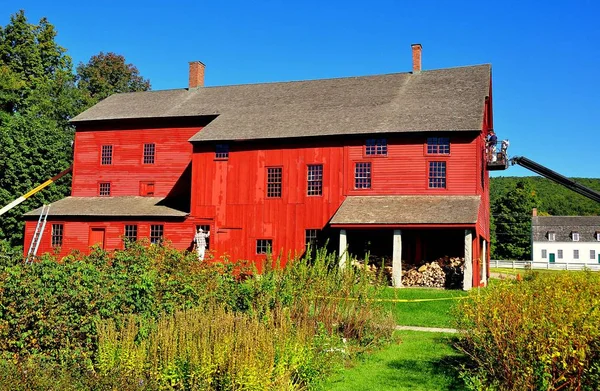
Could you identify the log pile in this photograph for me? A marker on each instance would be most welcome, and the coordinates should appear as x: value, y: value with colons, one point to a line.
x: 428, y: 275
x: 444, y: 272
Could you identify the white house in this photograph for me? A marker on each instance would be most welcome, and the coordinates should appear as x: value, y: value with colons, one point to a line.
x: 565, y: 239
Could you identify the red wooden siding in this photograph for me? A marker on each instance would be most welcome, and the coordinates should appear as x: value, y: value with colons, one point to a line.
x: 173, y: 154
x: 77, y: 235
x: 232, y: 192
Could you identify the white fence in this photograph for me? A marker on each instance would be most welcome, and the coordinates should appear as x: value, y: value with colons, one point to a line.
x: 544, y: 265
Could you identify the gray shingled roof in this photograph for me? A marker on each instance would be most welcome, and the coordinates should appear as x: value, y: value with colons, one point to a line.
x: 438, y: 100
x: 133, y: 206
x: 563, y: 226
x: 408, y: 210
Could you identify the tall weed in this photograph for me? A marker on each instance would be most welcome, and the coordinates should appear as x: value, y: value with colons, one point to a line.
x: 538, y: 334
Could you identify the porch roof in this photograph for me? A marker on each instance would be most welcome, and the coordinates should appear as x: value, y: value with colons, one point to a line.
x: 128, y: 206
x: 407, y: 210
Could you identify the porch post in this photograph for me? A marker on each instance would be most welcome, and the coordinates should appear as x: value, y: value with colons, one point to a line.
x: 468, y: 276
x: 343, y: 248
x: 484, y: 259
x: 397, y: 260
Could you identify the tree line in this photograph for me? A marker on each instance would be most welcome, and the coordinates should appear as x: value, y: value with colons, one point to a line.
x: 512, y: 201
x: 40, y: 91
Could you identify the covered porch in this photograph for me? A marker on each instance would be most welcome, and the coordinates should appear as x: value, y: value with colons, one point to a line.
x: 409, y: 230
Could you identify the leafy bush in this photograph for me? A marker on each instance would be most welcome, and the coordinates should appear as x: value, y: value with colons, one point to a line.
x: 538, y: 334
x: 59, y: 316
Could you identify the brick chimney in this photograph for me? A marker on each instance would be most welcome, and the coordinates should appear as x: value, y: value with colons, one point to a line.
x: 534, y: 212
x: 416, y: 57
x: 196, y: 74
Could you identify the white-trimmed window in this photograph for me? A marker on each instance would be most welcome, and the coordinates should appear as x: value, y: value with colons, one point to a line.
x: 362, y: 175
x: 264, y: 246
x: 438, y: 145
x: 437, y: 175
x: 131, y: 232
x: 551, y: 236
x: 559, y: 254
x: 311, y: 237
x: 575, y: 254
x: 544, y: 254
x: 593, y: 254
x: 598, y: 236
x: 106, y: 155
x: 376, y: 147
x: 314, y: 180
x: 57, y: 235
x: 104, y: 189
x: 156, y: 233
x: 222, y: 151
x: 149, y: 153
x: 274, y: 175
x: 575, y: 236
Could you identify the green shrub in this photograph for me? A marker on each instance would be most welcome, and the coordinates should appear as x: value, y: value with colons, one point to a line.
x: 56, y: 316
x: 538, y: 334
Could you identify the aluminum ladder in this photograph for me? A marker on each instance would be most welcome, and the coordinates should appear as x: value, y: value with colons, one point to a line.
x: 37, y: 235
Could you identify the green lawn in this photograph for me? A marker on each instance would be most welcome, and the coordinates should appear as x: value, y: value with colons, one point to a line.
x: 428, y: 313
x: 421, y: 361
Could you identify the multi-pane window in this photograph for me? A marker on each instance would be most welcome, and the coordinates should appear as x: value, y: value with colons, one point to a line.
x: 575, y: 236
x: 376, y: 146
x: 593, y: 254
x: 559, y: 254
x: 362, y: 176
x: 222, y: 151
x: 274, y: 182
x: 310, y: 237
x: 438, y: 145
x: 106, y: 155
x: 131, y: 232
x: 104, y: 188
x: 598, y: 236
x: 263, y: 246
x: 575, y: 254
x: 156, y: 233
x: 551, y: 236
x: 315, y: 180
x: 437, y: 175
x: 206, y: 230
x: 149, y: 152
x: 57, y: 235
x: 544, y: 254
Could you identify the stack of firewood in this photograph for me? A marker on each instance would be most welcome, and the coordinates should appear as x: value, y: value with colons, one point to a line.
x: 445, y: 272
x: 428, y: 275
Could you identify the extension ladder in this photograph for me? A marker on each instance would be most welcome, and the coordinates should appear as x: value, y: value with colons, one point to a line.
x: 37, y: 235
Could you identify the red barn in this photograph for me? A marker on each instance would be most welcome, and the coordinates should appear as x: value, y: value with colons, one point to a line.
x: 391, y: 164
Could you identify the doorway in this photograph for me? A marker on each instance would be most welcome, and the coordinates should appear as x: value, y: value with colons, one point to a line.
x: 97, y: 237
x: 552, y: 258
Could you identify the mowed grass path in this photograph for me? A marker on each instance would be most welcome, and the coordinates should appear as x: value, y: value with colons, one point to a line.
x: 420, y: 361
x: 429, y: 313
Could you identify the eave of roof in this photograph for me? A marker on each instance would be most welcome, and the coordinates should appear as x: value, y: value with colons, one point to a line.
x: 407, y: 210
x: 133, y: 206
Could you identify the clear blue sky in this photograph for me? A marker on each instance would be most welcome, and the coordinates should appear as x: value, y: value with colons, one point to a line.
x: 545, y: 55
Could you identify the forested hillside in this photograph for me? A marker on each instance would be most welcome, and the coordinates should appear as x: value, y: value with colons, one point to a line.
x: 512, y: 200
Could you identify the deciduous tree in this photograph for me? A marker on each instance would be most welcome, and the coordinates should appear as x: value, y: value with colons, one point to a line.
x: 107, y: 74
x: 511, y: 223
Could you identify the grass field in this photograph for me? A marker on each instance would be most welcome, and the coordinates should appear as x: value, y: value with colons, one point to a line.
x: 420, y: 361
x: 428, y: 313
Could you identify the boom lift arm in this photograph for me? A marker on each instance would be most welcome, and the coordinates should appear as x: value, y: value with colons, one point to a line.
x: 556, y: 177
x: 34, y: 190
